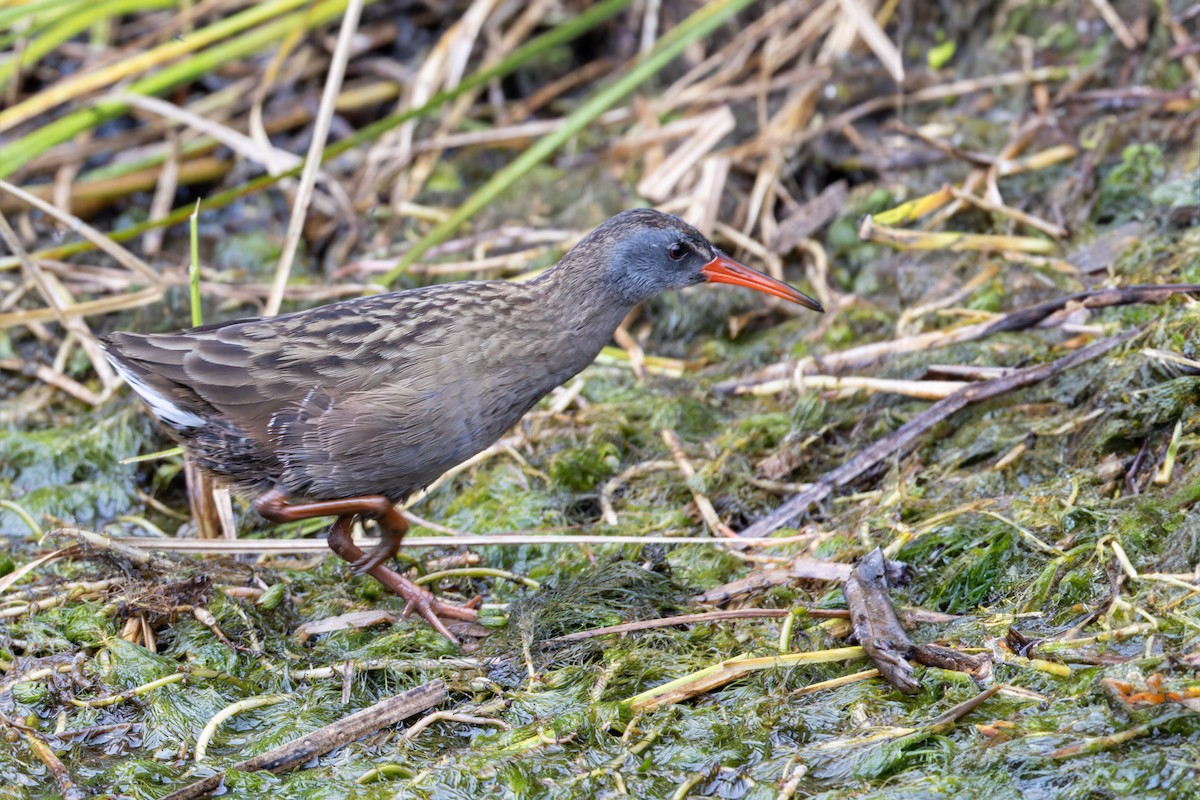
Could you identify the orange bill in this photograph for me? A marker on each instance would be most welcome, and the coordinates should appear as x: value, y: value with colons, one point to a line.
x: 724, y: 269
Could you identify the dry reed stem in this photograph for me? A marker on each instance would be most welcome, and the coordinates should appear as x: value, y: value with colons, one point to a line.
x: 708, y: 130
x: 258, y: 131
x: 707, y: 193
x: 272, y: 159
x: 667, y: 622
x: 850, y: 385
x: 450, y: 716
x: 90, y: 195
x: 312, y: 162
x: 986, y: 176
x: 637, y: 356
x: 728, y: 62
x: 76, y: 225
x: 875, y: 38
x: 60, y: 301
x: 729, y: 670
x: 429, y: 78
x: 80, y: 84
x: 953, y: 241
x: 703, y: 504
x: 1048, y: 228
x: 86, y: 308
x: 470, y: 27
x: 1118, y: 26
x: 1184, y: 42
x: 164, y: 197
x: 269, y: 546
x: 57, y: 379
x: 128, y: 144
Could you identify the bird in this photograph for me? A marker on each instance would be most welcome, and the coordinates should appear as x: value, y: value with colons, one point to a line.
x: 349, y: 408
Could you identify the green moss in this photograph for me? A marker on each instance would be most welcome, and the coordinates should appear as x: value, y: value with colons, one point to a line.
x: 616, y: 592
x: 1141, y: 412
x: 1144, y: 526
x: 30, y: 693
x: 991, y: 298
x: 1077, y: 586
x: 247, y: 254
x: 499, y: 498
x: 1125, y: 188
x: 581, y: 469
x: 133, y: 665
x: 84, y: 624
x: 967, y: 561
x: 71, y: 472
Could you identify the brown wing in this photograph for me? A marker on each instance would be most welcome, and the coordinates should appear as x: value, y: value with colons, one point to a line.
x: 247, y: 371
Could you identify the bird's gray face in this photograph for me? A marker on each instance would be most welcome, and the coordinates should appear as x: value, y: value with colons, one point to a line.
x: 654, y: 260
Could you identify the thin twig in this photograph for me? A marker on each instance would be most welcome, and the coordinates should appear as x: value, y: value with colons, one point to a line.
x: 905, y: 437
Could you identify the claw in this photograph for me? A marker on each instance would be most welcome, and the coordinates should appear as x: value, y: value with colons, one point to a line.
x: 425, y: 606
x: 428, y: 606
x: 416, y: 598
x: 421, y: 600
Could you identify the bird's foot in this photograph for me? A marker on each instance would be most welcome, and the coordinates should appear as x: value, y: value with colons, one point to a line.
x: 416, y: 598
x: 428, y: 607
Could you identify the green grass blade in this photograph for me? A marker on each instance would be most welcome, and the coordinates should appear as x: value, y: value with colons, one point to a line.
x: 564, y: 33
x: 71, y: 25
x: 194, y: 268
x: 19, y: 153
x: 10, y: 16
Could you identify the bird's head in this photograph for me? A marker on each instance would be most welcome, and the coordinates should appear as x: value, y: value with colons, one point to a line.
x: 645, y: 252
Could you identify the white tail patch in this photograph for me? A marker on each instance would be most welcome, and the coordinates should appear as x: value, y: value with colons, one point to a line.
x: 160, y: 405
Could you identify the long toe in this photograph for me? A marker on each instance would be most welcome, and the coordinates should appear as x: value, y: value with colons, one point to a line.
x: 423, y: 602
x: 465, y: 613
x: 418, y: 599
x: 427, y: 608
x: 426, y: 604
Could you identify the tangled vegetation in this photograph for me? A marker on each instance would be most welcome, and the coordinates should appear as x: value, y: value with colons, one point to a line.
x: 930, y: 171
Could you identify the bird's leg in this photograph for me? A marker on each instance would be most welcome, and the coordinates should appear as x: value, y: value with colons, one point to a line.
x: 392, y: 527
x: 392, y: 524
x: 418, y: 599
x: 272, y: 505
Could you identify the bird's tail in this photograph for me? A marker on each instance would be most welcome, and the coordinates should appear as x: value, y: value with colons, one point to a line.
x: 146, y: 363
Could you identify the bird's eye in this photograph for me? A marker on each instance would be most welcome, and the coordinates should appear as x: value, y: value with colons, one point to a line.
x: 677, y: 251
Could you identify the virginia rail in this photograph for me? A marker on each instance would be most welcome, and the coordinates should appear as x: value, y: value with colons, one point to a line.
x: 346, y: 409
